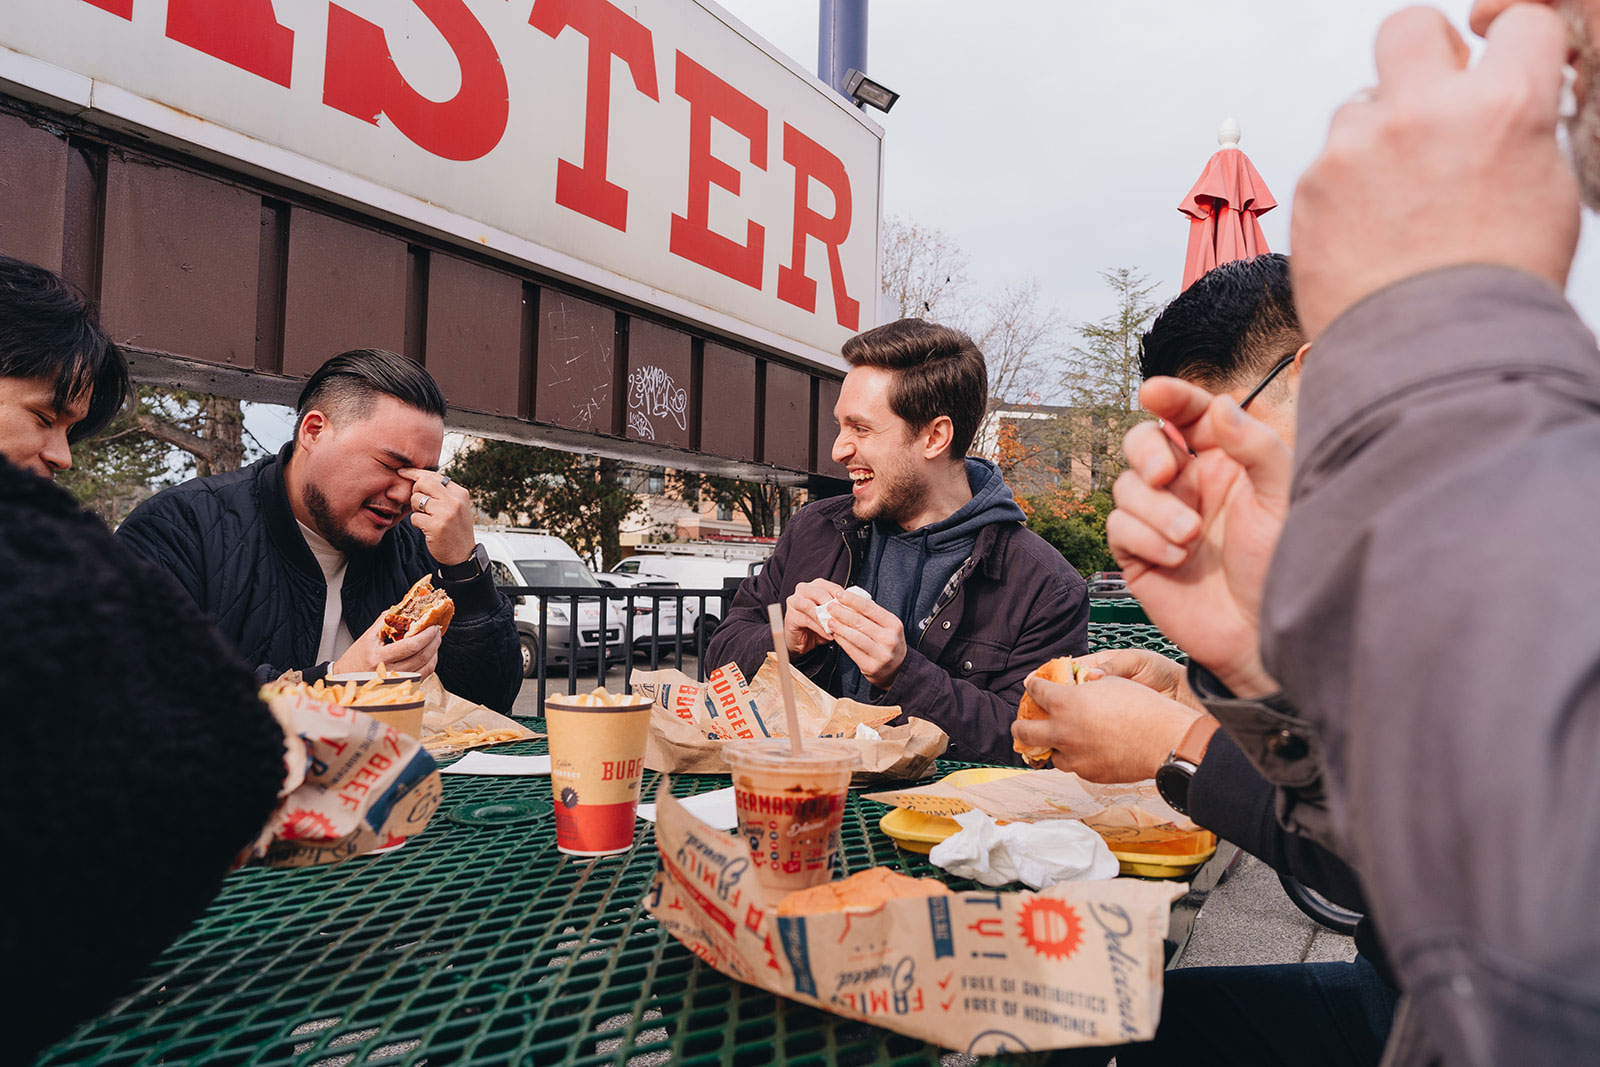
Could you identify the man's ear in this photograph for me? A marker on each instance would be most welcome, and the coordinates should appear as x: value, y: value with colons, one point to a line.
x: 1300, y: 357
x: 312, y: 428
x: 936, y: 437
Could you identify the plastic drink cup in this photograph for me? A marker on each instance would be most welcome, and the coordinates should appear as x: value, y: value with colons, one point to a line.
x: 790, y: 808
x: 596, y: 768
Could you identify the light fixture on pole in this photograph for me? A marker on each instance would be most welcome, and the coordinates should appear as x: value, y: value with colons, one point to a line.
x: 863, y: 90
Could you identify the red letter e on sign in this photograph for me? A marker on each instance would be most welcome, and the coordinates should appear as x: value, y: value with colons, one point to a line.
x: 692, y: 237
x: 362, y: 80
x: 811, y: 160
x: 611, y: 33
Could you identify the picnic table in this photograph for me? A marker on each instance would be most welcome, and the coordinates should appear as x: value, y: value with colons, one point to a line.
x: 478, y: 941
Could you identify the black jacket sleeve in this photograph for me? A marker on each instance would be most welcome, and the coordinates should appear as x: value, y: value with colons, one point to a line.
x: 480, y: 658
x: 1230, y: 798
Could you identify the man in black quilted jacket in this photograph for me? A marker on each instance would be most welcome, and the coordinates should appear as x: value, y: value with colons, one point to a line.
x: 297, y: 556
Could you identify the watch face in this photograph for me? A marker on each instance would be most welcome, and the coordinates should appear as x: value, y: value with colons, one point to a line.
x: 1172, y: 782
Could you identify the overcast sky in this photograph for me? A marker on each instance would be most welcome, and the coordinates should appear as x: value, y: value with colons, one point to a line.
x: 1054, y: 138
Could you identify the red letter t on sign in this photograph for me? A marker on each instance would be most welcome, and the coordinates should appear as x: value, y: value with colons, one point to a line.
x: 246, y: 34
x: 611, y: 33
x: 692, y: 237
x: 811, y: 160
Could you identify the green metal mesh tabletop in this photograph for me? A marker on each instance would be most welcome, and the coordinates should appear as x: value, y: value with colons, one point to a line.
x: 473, y: 943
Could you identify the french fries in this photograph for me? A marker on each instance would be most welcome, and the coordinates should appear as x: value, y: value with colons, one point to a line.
x: 454, y: 738
x: 598, y: 698
x: 374, y: 692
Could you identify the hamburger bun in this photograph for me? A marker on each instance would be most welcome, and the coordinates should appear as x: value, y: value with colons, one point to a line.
x: 422, y: 606
x: 862, y: 892
x: 1062, y: 669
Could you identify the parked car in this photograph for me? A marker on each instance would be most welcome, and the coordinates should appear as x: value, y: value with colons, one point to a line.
x: 656, y: 620
x: 698, y: 565
x: 1108, y: 587
x: 529, y: 558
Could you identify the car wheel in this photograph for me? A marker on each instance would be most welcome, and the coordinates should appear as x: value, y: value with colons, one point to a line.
x: 530, y: 655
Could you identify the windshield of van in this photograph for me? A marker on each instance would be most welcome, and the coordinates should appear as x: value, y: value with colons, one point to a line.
x: 555, y: 572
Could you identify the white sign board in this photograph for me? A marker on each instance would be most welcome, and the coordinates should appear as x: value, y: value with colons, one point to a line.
x: 657, y: 151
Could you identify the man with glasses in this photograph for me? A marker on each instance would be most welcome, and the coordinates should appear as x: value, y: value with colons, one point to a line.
x: 1233, y: 332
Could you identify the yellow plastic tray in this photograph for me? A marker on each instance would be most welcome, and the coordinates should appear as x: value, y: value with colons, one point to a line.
x: 916, y: 832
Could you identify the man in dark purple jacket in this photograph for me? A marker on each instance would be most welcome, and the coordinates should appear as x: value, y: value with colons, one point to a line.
x: 962, y: 602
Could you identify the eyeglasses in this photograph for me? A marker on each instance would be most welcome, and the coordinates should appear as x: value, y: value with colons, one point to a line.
x: 1277, y: 368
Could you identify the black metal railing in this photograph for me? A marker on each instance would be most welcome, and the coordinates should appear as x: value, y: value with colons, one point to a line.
x: 589, y: 649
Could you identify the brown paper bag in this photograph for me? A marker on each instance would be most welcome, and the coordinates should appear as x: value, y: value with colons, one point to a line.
x: 449, y: 720
x: 1077, y: 964
x: 692, y: 720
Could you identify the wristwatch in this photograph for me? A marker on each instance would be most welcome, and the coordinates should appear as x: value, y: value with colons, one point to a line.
x: 1177, y: 771
x: 469, y: 568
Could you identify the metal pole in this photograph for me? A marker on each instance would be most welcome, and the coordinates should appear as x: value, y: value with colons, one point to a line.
x: 841, y: 41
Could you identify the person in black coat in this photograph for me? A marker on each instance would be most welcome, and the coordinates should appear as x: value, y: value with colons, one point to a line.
x: 298, y: 556
x: 138, y: 762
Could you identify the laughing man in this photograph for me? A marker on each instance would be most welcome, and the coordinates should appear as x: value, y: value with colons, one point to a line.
x: 964, y: 601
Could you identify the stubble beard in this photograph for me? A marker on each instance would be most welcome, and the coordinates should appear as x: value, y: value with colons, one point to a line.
x: 901, y: 498
x: 320, y: 511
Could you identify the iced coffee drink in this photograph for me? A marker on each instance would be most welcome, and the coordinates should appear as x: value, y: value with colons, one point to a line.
x: 790, y: 808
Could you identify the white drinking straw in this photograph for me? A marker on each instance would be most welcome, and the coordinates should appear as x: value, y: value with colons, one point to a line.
x: 775, y: 616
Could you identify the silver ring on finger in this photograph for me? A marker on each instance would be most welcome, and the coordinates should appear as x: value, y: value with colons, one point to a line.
x: 1363, y: 96
x: 422, y: 505
x: 444, y: 479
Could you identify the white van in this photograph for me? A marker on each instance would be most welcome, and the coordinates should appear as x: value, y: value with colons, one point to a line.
x: 696, y: 565
x: 526, y: 557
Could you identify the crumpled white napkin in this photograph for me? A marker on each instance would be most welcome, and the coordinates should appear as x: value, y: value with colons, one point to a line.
x: 866, y: 733
x: 825, y: 616
x: 1038, y: 854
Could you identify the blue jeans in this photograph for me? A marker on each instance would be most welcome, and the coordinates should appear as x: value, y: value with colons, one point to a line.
x: 1300, y: 1014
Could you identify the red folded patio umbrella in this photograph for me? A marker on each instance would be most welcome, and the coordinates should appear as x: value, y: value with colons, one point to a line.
x: 1223, y: 207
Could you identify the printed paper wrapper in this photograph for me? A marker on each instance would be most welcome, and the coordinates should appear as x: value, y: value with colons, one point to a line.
x: 1077, y: 964
x: 692, y: 719
x: 447, y: 719
x: 1130, y: 815
x: 352, y: 785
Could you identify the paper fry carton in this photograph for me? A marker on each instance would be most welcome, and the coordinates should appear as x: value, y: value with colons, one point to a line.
x: 692, y: 720
x: 352, y: 784
x: 1077, y: 964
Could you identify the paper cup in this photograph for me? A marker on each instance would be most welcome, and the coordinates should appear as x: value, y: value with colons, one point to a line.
x: 596, y: 768
x: 407, y: 718
x: 790, y: 808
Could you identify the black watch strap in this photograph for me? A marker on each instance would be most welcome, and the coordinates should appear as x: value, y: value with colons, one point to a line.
x: 468, y: 569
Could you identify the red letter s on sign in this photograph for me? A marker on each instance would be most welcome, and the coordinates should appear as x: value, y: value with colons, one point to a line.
x: 611, y: 33
x: 246, y: 33
x: 811, y: 160
x: 362, y: 80
x: 692, y: 237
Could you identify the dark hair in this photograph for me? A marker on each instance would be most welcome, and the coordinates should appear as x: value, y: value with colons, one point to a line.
x: 349, y: 384
x: 938, y: 371
x: 50, y: 330
x: 1228, y: 328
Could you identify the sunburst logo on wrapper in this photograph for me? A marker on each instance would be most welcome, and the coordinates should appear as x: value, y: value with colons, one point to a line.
x: 1051, y: 928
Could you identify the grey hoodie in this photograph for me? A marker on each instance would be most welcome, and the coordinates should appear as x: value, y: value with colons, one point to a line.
x: 907, y: 569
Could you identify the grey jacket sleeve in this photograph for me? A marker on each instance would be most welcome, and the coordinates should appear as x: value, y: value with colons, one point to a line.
x: 1433, y: 609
